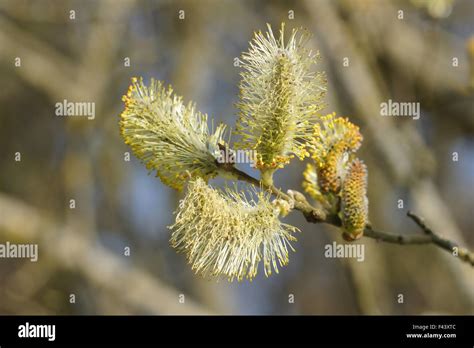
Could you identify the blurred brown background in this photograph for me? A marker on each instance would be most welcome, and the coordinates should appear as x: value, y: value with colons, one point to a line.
x: 118, y: 205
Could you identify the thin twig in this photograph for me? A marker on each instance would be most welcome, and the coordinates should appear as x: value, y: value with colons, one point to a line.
x: 461, y: 253
x: 311, y: 213
x: 315, y: 215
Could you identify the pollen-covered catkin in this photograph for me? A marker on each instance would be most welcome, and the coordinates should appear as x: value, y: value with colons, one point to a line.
x: 332, y: 170
x: 225, y: 233
x: 354, y: 202
x: 280, y: 96
x: 331, y: 131
x: 168, y: 136
x: 334, y: 141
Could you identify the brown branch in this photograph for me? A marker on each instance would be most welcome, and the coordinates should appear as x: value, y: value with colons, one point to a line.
x: 311, y: 213
x: 315, y: 215
x: 443, y: 243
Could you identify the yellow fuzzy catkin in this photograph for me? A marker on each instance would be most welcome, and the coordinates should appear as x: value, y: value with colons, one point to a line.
x: 332, y: 171
x: 225, y: 233
x: 168, y: 136
x: 336, y: 175
x: 280, y: 96
x: 310, y: 182
x: 334, y: 139
x: 330, y: 131
x: 354, y: 203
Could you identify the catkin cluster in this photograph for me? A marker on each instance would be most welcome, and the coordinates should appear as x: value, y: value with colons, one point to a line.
x: 230, y: 232
x: 336, y: 178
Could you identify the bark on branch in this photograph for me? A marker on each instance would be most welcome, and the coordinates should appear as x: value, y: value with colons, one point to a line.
x: 315, y: 215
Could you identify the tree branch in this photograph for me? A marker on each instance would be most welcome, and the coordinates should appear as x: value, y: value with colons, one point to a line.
x: 443, y: 243
x: 315, y: 215
x: 311, y: 213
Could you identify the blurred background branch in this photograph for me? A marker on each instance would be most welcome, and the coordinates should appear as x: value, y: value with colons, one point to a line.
x: 69, y: 249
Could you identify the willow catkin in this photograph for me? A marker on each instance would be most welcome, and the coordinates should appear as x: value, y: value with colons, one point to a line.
x: 168, y: 136
x: 354, y: 203
x: 280, y: 95
x: 225, y: 233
